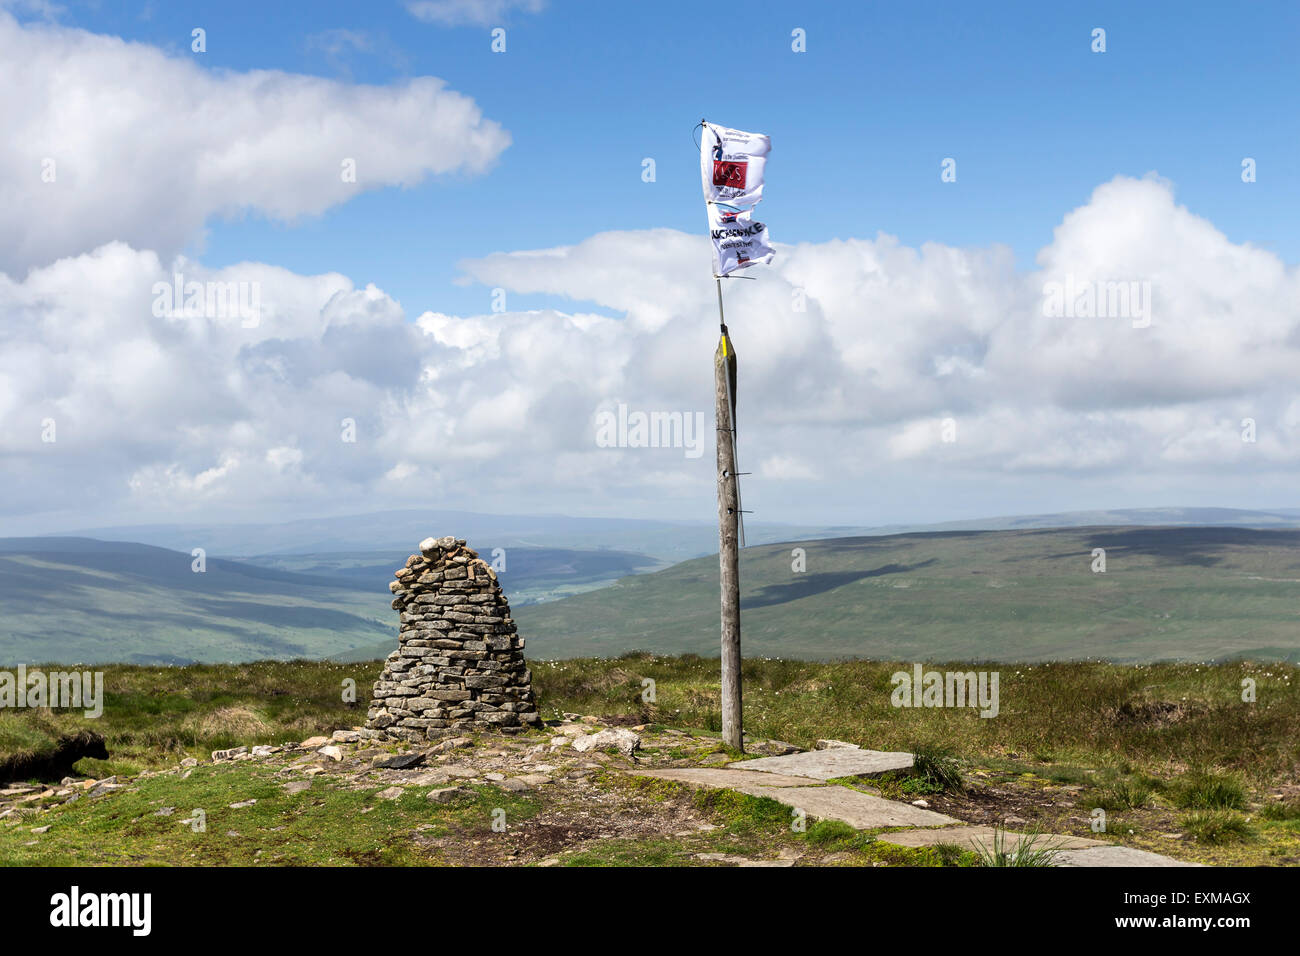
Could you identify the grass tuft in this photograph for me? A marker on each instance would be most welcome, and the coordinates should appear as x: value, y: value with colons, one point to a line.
x: 1203, y: 790
x: 1216, y: 827
x: 1029, y: 849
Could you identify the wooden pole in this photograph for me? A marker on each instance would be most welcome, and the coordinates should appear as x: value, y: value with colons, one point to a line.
x: 724, y: 397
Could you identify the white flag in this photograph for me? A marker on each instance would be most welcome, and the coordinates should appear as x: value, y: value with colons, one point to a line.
x: 739, y: 240
x: 731, y: 164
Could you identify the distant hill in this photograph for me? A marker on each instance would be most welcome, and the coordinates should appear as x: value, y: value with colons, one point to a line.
x: 1169, y: 593
x: 72, y: 600
x: 401, y: 530
x: 1028, y: 595
x: 665, y: 541
x: 81, y: 600
x: 530, y: 575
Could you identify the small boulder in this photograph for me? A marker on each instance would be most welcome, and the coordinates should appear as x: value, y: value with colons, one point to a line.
x: 618, y: 737
x: 397, y: 761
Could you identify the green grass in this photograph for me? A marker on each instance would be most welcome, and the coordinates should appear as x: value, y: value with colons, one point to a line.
x: 1088, y: 715
x: 1203, y: 790
x: 328, y: 825
x: 156, y: 715
x: 1120, y: 794
x: 1216, y: 827
x: 1281, y: 810
x: 1018, y: 849
x: 935, y: 768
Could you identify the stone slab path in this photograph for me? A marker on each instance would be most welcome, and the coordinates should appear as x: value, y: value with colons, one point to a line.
x: 981, y: 838
x: 788, y: 780
x: 1111, y: 855
x: 741, y: 780
x: 825, y: 764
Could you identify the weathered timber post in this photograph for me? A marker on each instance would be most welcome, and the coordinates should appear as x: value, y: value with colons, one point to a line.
x: 724, y: 399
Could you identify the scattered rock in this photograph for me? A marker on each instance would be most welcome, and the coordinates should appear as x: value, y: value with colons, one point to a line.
x: 331, y: 753
x: 832, y: 744
x: 445, y: 795
x: 230, y: 754
x: 626, y: 741
x: 779, y: 748
x: 242, y: 804
x: 451, y: 743
x: 311, y: 743
x: 464, y: 773
x: 397, y: 761
x: 391, y: 793
x: 297, y: 786
x: 431, y: 779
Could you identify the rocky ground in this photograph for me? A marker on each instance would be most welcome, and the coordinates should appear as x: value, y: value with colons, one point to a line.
x: 582, y: 790
x: 571, y: 767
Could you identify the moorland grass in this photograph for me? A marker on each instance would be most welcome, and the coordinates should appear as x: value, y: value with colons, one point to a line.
x: 1144, y: 726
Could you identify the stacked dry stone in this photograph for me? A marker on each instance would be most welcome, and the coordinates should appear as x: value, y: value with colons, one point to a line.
x: 459, y: 664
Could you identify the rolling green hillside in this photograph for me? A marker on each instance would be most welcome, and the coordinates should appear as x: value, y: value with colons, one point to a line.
x: 72, y: 600
x: 1167, y: 594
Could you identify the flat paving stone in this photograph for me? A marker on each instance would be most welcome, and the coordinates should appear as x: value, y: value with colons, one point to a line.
x: 825, y: 764
x: 981, y: 838
x: 722, y: 777
x: 857, y: 809
x: 1117, y: 856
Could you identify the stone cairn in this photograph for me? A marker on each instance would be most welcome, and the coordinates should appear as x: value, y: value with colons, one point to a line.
x: 459, y: 664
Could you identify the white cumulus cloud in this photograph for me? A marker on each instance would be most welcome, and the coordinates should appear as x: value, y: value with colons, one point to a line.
x: 873, y: 376
x: 104, y: 140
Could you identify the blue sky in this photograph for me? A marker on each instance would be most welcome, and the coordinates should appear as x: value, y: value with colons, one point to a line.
x: 926, y: 380
x: 860, y: 122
